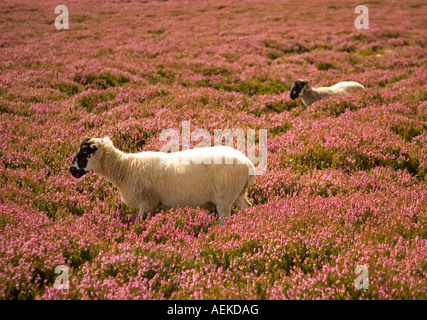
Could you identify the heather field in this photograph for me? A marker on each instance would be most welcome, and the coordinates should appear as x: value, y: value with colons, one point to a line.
x: 345, y: 184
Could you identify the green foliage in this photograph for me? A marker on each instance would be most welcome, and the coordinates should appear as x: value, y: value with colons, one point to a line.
x: 215, y: 71
x: 339, y: 108
x: 273, y: 54
x: 320, y: 157
x: 81, y: 18
x: 279, y: 188
x: 97, y: 100
x: 389, y: 35
x: 131, y: 143
x: 102, y: 80
x: 104, y: 52
x: 254, y: 86
x: 369, y: 51
x: 16, y: 111
x: 161, y: 76
x: 14, y: 293
x: 385, y: 82
x: 156, y: 31
x: 57, y: 209
x: 325, y: 66
x: 407, y: 132
x: 23, y: 164
x: 281, y: 129
x: 281, y: 106
x: 223, y: 258
x: 78, y: 257
x: 68, y: 88
x: 360, y: 37
x: 317, y: 157
x: 297, y: 48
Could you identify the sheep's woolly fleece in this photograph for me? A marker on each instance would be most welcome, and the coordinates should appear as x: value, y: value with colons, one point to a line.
x: 345, y: 183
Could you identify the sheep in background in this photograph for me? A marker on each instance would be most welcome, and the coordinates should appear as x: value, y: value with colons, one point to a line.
x: 308, y: 95
x: 157, y: 180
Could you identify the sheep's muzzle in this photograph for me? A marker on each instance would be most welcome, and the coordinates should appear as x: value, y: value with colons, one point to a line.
x: 76, y: 172
x: 294, y: 95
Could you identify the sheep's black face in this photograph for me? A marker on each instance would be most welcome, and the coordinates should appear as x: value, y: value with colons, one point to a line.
x: 296, y: 89
x: 80, y: 161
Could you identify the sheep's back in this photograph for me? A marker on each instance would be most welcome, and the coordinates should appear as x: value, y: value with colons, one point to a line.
x: 196, y: 176
x: 347, y: 86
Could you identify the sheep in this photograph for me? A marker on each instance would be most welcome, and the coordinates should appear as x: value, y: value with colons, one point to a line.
x: 308, y: 95
x: 151, y: 181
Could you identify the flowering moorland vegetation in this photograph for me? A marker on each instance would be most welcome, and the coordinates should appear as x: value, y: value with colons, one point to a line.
x: 346, y: 178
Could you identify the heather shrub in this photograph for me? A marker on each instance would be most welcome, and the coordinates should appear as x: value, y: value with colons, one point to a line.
x: 101, y: 80
x: 68, y: 88
x: 254, y: 86
x: 345, y: 183
x: 407, y: 131
x: 281, y: 106
x: 95, y: 101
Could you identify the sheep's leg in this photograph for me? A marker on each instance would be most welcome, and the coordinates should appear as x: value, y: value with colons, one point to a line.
x: 242, y: 202
x: 224, y: 211
x: 147, y: 205
x: 143, y: 213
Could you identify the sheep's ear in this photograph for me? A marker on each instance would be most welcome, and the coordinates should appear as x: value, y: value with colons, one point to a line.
x: 85, y: 141
x: 100, y: 151
x: 308, y: 83
x: 107, y: 140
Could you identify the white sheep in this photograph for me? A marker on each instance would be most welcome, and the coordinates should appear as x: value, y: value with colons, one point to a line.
x: 156, y: 180
x: 308, y: 95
